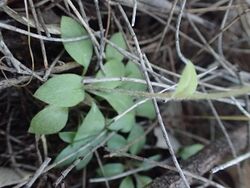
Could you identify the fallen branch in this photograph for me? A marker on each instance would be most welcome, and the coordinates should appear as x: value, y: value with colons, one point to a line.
x: 212, y: 155
x: 6, y: 83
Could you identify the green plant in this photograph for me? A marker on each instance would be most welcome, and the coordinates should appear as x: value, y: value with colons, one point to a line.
x: 64, y: 92
x: 113, y: 169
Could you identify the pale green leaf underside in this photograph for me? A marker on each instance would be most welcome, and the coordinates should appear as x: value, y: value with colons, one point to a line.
x: 81, y: 51
x: 188, y: 82
x: 50, y: 120
x: 92, y: 124
x: 112, y: 53
x: 63, y: 90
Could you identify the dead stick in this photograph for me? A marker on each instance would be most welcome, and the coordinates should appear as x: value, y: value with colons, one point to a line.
x: 212, y: 155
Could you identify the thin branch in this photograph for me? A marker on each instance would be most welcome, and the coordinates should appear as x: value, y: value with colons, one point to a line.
x: 231, y: 163
x: 205, y: 160
x: 142, y: 61
x: 134, y: 13
x: 38, y: 172
x: 76, y: 162
x: 177, y: 34
x: 102, y: 43
x: 41, y: 37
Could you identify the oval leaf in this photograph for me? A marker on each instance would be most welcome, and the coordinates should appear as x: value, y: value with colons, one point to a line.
x: 81, y: 51
x: 67, y: 137
x: 146, y: 109
x: 125, y: 123
x: 116, y: 142
x: 50, y: 120
x: 120, y: 103
x: 127, y: 183
x: 111, y: 169
x: 137, y: 137
x: 133, y: 71
x: 188, y: 82
x: 112, y: 68
x: 112, y: 53
x: 63, y: 90
x: 93, y: 123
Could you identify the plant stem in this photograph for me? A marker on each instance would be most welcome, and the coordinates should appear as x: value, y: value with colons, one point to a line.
x: 233, y: 92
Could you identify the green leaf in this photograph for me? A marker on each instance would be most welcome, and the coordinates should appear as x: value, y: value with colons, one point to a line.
x: 125, y: 123
x: 112, y: 53
x: 116, y: 142
x: 120, y: 103
x: 132, y: 71
x: 93, y: 123
x: 188, y: 82
x: 50, y: 120
x: 67, y: 137
x: 111, y: 169
x: 63, y: 90
x: 112, y: 68
x: 146, y: 110
x: 142, y: 181
x: 188, y: 151
x: 75, y: 147
x: 137, y: 132
x: 81, y: 51
x: 127, y: 183
x: 64, y: 153
x: 147, y: 165
x: 72, y: 148
x: 84, y: 162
